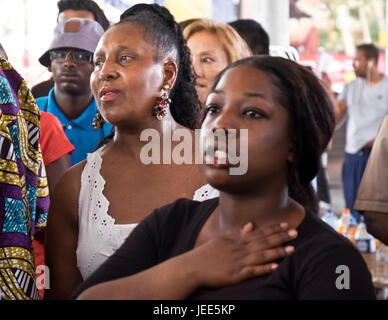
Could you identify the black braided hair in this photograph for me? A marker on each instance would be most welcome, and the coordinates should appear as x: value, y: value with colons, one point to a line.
x: 166, y: 36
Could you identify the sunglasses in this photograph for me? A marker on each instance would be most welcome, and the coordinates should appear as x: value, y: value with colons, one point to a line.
x: 78, y: 56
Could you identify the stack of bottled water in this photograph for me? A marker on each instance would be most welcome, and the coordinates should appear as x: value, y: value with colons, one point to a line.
x: 366, y: 245
x: 374, y: 252
x: 381, y: 268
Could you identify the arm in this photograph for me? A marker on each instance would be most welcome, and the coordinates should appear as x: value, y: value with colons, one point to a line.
x: 173, y: 279
x: 219, y: 262
x: 340, y: 109
x: 62, y: 236
x: 56, y: 169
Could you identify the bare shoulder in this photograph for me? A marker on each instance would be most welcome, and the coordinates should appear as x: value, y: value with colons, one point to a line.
x: 71, y: 179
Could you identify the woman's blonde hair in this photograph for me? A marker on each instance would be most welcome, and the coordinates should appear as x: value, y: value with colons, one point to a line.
x: 235, y: 47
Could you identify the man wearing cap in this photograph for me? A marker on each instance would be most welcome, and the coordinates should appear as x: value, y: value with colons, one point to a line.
x: 70, y: 59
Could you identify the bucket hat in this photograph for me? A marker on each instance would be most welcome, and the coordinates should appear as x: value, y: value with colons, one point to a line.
x: 76, y: 33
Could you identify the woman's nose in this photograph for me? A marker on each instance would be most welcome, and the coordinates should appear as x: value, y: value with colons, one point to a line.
x: 107, y: 72
x: 226, y: 120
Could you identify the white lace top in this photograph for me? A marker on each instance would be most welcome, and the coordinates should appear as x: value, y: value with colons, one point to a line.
x: 98, y: 235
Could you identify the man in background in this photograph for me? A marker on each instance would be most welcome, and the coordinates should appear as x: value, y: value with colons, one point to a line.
x: 68, y: 9
x: 253, y: 34
x: 365, y: 101
x: 70, y: 58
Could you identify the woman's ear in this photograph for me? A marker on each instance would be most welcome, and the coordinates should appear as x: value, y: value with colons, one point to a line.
x: 170, y: 71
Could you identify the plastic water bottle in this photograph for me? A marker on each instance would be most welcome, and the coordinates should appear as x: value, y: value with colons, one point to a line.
x: 351, y: 230
x: 323, y: 207
x: 381, y: 271
x: 330, y: 218
x: 344, y: 221
x: 366, y: 245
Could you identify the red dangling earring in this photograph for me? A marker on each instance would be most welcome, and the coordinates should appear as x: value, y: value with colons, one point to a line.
x: 162, y: 104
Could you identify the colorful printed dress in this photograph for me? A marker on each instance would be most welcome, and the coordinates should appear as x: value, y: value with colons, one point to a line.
x: 24, y: 198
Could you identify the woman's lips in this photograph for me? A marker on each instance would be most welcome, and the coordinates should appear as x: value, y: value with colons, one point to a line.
x: 219, y: 160
x: 109, y: 94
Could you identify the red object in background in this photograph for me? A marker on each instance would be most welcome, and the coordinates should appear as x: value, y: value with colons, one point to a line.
x: 39, y: 260
x: 26, y: 62
x: 341, y: 65
x: 310, y: 45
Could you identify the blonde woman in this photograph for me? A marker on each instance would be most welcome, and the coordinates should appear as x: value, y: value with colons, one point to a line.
x: 213, y: 47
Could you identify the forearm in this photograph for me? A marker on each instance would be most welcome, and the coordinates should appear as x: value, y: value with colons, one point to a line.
x: 64, y: 274
x: 171, y: 280
x: 340, y: 109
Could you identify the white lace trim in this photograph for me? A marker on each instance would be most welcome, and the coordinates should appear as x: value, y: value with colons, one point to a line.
x: 99, y: 236
x: 206, y: 192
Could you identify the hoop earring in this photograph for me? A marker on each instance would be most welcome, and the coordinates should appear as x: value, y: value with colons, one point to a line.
x: 162, y: 104
x: 98, y: 121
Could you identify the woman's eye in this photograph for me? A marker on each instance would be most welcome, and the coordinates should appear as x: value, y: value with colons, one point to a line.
x: 253, y: 114
x: 98, y: 63
x: 207, y: 59
x: 125, y: 59
x: 212, y: 109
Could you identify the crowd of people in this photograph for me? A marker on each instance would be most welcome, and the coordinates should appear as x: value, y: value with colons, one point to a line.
x: 78, y: 198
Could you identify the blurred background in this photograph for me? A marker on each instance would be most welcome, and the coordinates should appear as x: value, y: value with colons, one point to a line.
x: 325, y: 34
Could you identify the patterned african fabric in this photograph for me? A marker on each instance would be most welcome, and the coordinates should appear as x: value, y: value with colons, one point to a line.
x: 24, y: 198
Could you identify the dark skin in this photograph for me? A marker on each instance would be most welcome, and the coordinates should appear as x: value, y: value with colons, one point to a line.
x: 230, y: 248
x: 128, y: 66
x: 260, y: 196
x: 134, y: 192
x: 55, y: 170
x: 72, y: 88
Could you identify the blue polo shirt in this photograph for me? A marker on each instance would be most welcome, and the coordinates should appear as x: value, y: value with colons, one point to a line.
x: 79, y: 131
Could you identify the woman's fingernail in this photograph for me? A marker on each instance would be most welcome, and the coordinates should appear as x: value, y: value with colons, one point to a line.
x: 274, y: 266
x: 292, y: 233
x: 289, y: 249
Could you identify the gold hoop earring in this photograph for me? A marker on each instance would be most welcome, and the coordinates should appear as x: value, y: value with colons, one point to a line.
x: 162, y: 104
x: 98, y: 121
